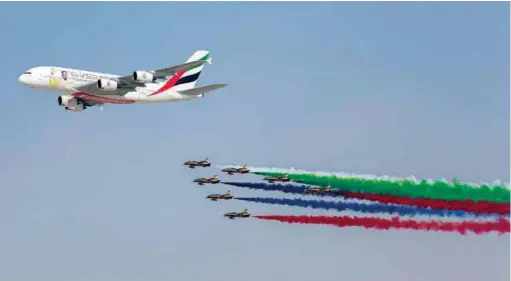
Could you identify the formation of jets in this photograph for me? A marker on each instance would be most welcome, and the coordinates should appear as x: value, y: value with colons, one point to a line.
x: 214, y: 180
x: 243, y: 170
x: 82, y: 89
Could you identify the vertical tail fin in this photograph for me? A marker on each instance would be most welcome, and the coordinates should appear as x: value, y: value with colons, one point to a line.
x: 190, y: 77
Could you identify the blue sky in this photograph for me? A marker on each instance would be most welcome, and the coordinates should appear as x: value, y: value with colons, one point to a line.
x: 381, y: 88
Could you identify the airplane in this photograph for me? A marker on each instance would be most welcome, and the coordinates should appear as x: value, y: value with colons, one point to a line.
x: 82, y: 89
x: 193, y: 164
x: 212, y: 180
x: 274, y: 179
x: 233, y: 215
x: 242, y: 170
x: 319, y: 190
x: 215, y: 197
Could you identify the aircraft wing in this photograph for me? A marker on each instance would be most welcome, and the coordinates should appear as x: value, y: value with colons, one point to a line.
x: 127, y: 84
x: 92, y: 88
x: 202, y: 90
x: 89, y: 102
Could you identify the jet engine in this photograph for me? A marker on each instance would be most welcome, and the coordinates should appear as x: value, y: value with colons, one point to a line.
x: 107, y: 85
x: 70, y: 103
x: 143, y: 77
x: 67, y: 100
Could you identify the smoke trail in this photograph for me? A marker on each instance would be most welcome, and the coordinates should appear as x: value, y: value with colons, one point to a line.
x: 410, y: 188
x: 496, y: 183
x: 359, y: 207
x: 501, y: 226
x: 285, y: 188
x: 481, y: 207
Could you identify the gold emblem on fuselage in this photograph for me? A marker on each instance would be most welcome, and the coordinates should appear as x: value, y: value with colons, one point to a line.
x: 54, y: 82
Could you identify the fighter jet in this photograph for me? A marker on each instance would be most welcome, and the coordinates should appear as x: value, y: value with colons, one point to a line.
x: 274, y: 179
x: 233, y: 215
x: 193, y: 164
x: 215, y: 197
x: 319, y: 190
x: 202, y: 181
x: 231, y: 171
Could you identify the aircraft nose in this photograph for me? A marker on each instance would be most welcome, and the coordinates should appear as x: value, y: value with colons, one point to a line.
x: 22, y: 79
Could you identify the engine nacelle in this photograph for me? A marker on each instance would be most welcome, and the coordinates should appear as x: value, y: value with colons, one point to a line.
x: 67, y: 100
x: 70, y: 103
x: 143, y: 77
x: 107, y: 85
x: 77, y: 108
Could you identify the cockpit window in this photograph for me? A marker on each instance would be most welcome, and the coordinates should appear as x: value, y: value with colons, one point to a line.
x: 28, y: 72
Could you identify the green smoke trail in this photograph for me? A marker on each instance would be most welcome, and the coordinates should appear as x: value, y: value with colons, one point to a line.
x: 415, y: 189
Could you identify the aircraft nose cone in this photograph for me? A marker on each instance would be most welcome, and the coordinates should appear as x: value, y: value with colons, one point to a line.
x: 22, y: 79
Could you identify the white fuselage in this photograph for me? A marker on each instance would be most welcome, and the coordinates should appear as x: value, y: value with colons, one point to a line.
x: 51, y: 78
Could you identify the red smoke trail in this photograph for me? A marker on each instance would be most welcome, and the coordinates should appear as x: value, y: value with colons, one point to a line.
x: 481, y: 207
x: 502, y: 225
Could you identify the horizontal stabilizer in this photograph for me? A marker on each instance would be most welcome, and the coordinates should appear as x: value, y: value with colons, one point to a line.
x: 202, y: 90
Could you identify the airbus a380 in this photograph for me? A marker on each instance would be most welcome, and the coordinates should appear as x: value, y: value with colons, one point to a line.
x: 82, y: 89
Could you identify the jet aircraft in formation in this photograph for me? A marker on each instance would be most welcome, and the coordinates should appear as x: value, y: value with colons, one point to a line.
x: 284, y: 178
x: 215, y: 197
x: 82, y: 89
x: 319, y: 190
x: 234, y: 215
x: 212, y: 180
x: 243, y: 170
x: 231, y: 170
x: 202, y: 163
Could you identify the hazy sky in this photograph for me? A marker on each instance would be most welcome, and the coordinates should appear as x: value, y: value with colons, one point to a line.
x: 401, y: 89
